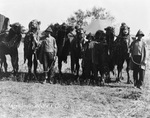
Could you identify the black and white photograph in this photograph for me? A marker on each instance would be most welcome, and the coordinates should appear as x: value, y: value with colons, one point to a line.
x: 74, y: 59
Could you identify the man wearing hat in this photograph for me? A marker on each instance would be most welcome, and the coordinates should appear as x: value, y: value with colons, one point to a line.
x: 49, y: 52
x: 138, y: 58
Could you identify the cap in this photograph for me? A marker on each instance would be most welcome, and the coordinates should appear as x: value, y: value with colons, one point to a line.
x: 48, y: 29
x: 139, y: 33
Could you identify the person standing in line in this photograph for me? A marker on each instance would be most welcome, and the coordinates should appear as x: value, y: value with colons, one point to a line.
x: 49, y: 53
x: 138, y: 58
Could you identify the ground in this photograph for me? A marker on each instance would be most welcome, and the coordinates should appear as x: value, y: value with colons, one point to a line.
x: 35, y: 100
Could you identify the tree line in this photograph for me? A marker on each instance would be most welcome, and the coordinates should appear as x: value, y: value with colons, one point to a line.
x: 81, y: 18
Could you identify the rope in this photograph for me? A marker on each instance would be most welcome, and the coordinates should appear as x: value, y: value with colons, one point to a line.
x: 3, y: 32
x: 135, y: 62
x: 49, y: 67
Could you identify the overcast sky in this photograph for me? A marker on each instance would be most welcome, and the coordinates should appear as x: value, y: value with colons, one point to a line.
x: 135, y: 13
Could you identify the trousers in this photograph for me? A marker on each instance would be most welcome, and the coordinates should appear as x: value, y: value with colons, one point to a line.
x: 138, y: 72
x: 48, y: 63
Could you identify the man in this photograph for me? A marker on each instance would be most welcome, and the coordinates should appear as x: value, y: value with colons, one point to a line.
x: 49, y: 52
x: 138, y: 57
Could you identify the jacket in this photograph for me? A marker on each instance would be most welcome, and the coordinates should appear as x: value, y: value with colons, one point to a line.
x: 143, y: 53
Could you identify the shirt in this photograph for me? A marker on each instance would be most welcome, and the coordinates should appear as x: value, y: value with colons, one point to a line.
x: 137, y: 47
x: 50, y: 45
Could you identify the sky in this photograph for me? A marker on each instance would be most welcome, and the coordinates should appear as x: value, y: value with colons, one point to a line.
x: 135, y: 13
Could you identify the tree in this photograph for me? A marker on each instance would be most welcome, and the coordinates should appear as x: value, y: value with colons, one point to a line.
x: 80, y: 17
x: 100, y: 13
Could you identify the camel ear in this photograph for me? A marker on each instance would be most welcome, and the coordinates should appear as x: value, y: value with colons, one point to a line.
x: 39, y: 22
x: 10, y: 25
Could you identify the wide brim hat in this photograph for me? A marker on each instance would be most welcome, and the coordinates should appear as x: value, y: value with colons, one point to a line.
x: 139, y: 33
x: 48, y: 30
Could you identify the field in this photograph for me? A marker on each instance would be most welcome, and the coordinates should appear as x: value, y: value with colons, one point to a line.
x: 35, y: 100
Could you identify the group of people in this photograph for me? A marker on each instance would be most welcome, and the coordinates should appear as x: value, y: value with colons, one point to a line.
x: 137, y: 51
x: 137, y: 54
